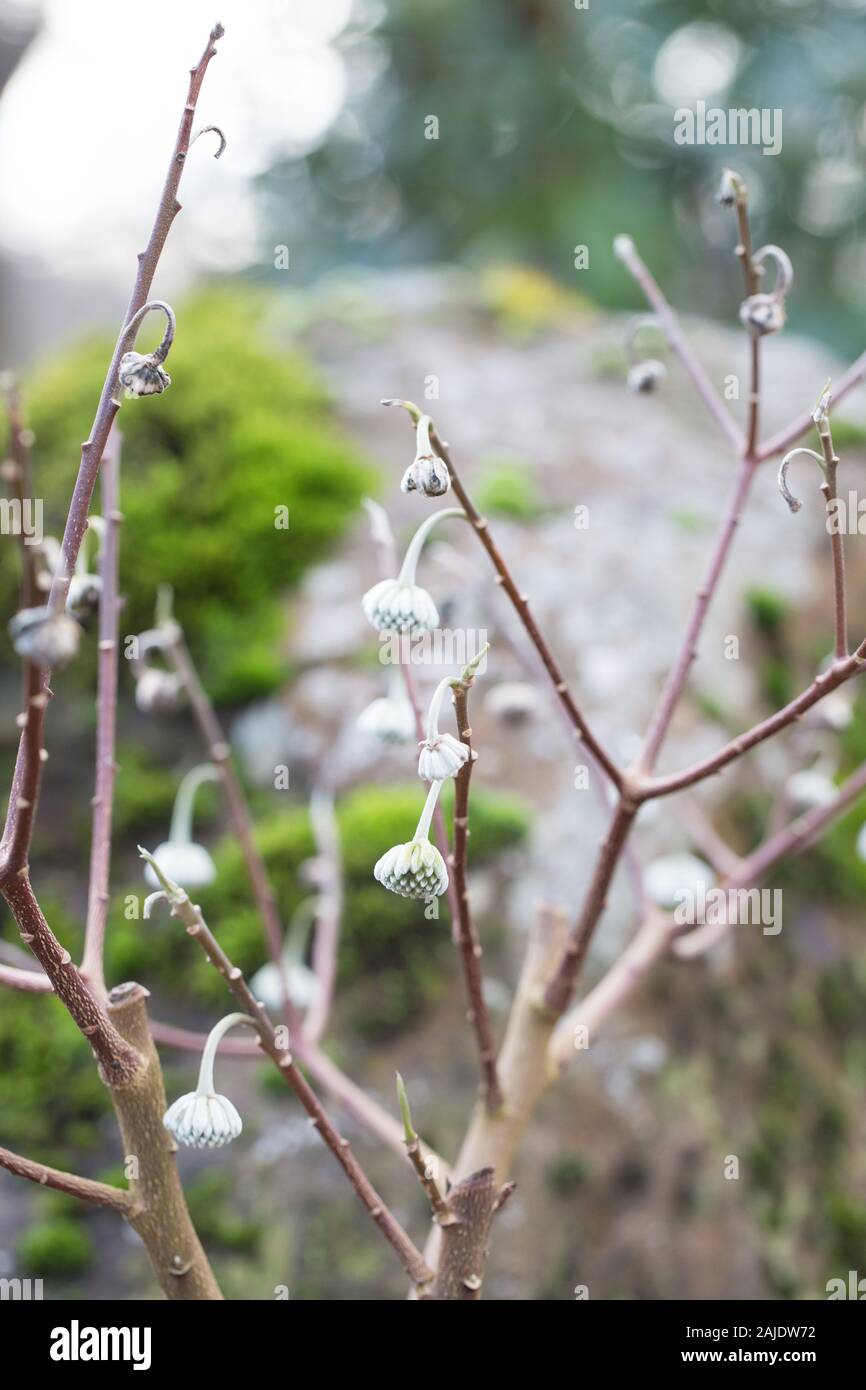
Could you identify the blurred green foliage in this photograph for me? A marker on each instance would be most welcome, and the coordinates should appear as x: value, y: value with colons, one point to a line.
x: 556, y: 129
x: 389, y: 951
x: 59, y: 1247
x: 507, y: 487
x: 245, y: 429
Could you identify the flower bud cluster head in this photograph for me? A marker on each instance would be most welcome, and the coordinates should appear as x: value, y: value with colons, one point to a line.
x: 401, y: 605
x: 204, y: 1119
x: 416, y: 869
x: 645, y: 377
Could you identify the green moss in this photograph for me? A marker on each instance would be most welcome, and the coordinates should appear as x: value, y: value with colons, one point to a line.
x: 245, y: 429
x: 59, y: 1247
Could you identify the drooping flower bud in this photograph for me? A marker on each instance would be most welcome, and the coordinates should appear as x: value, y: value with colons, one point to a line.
x: 416, y: 869
x: 391, y: 718
x: 442, y: 755
x: 157, y: 690
x: 179, y: 857
x: 644, y: 377
x: 401, y: 605
x: 82, y: 600
x: 203, y: 1119
x: 47, y: 638
x: 427, y: 473
x: 142, y: 374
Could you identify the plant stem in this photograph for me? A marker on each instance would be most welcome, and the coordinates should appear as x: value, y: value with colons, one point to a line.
x: 106, y: 722
x: 100, y: 1194
x: 468, y: 941
x: 520, y: 602
x: 628, y: 254
x: 220, y: 754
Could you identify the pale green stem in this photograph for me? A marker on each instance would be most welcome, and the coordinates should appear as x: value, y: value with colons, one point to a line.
x: 181, y: 817
x: 416, y: 545
x: 423, y: 831
x: 435, y: 707
x: 205, y: 1085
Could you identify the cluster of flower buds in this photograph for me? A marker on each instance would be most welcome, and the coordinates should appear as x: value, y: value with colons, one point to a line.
x: 85, y: 587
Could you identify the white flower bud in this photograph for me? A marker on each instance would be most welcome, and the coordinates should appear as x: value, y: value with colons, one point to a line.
x: 668, y: 878
x: 763, y: 314
x: 391, y: 718
x: 513, y: 702
x: 158, y: 690
x: 140, y: 375
x: 731, y: 187
x: 414, y: 870
x: 47, y: 638
x: 85, y: 591
x: 644, y: 377
x: 179, y: 857
x: 188, y: 864
x: 392, y: 606
x: 427, y: 473
x: 442, y: 757
x: 809, y: 788
x: 203, y: 1121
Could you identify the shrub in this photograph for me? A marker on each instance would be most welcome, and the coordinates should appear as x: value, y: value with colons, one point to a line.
x: 60, y: 1247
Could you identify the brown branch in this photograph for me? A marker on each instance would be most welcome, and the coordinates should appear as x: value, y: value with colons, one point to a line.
x: 119, y: 1062
x: 26, y: 777
x: 471, y: 1207
x: 743, y: 252
x: 220, y: 754
x: 191, y: 916
x: 561, y: 985
x: 329, y: 911
x: 100, y: 1194
x: 468, y: 940
x: 823, y: 684
x: 18, y: 473
x: 779, y: 443
x: 106, y: 721
x: 627, y: 252
x: 837, y: 547
x: 520, y: 602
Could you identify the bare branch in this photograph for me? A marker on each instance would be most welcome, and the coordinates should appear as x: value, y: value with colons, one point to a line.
x: 100, y: 1194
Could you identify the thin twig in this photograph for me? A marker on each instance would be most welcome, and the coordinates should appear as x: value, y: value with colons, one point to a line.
x: 468, y: 941
x: 780, y: 442
x: 26, y: 777
x: 329, y: 911
x: 628, y: 254
x: 100, y: 1194
x: 219, y: 751
x: 106, y: 721
x: 837, y: 546
x: 520, y: 603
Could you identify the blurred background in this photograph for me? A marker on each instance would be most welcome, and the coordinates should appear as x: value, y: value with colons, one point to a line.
x: 397, y: 213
